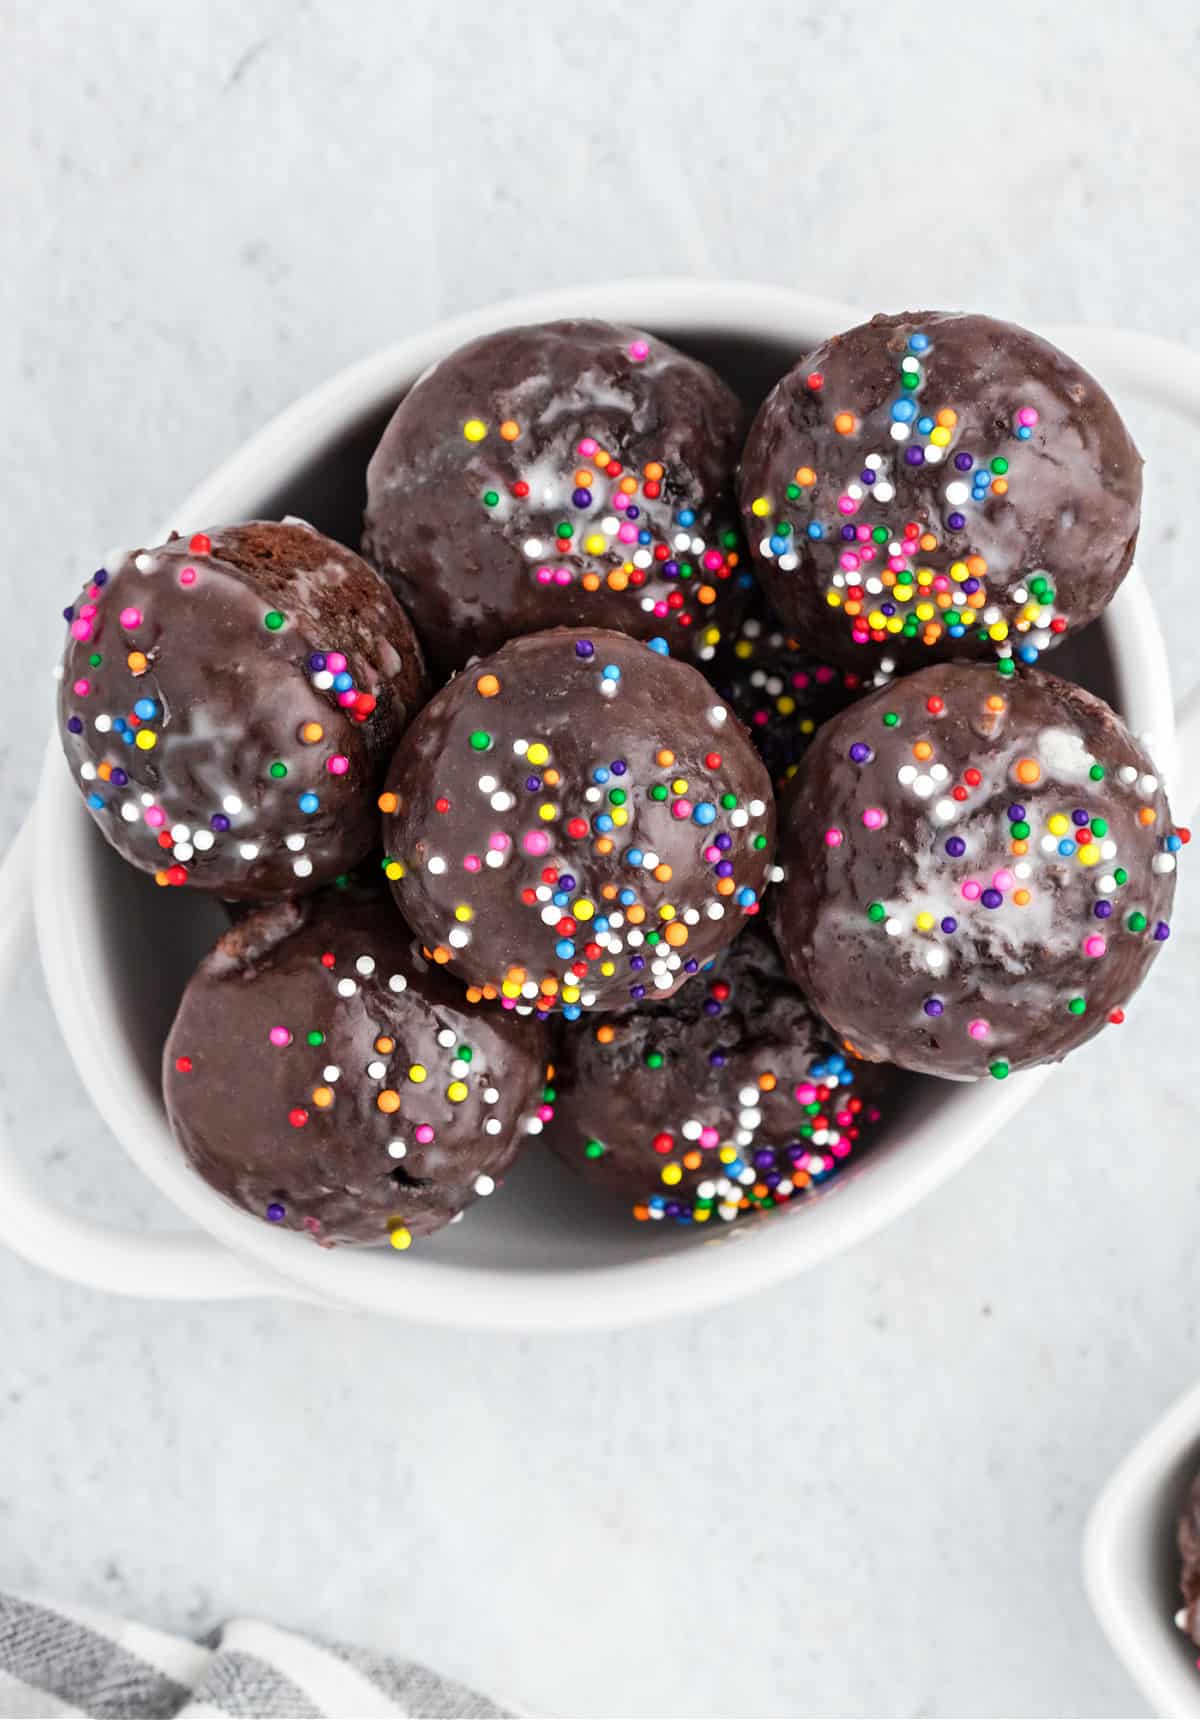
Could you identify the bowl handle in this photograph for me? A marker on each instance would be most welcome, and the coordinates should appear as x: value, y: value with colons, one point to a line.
x: 183, y: 1265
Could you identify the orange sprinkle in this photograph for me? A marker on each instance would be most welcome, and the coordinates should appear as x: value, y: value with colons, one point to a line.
x: 161, y: 879
x: 641, y: 1213
x: 311, y: 733
x: 923, y: 749
x: 636, y: 914
x: 584, y: 479
x: 628, y: 486
x: 706, y: 594
x: 618, y: 579
x: 603, y: 845
x: 724, y: 887
x: 1021, y: 897
x: 137, y: 662
x: 388, y: 802
x: 487, y: 686
x: 551, y: 777
x: 388, y: 1100
x: 1027, y: 770
x: 104, y: 771
x: 591, y: 582
x: 510, y: 430
x: 928, y: 541
x: 516, y: 976
x: 322, y: 1097
x: 692, y: 1161
x: 441, y: 955
x: 653, y: 471
x: 1000, y: 486
x: 976, y: 566
x: 805, y: 476
x: 664, y: 757
x: 1146, y: 815
x: 663, y: 872
x: 676, y: 934
x: 606, y: 1034
x: 844, y: 423
x: 997, y: 703
x: 1020, y: 847
x: 767, y: 1082
x: 385, y: 1045
x: 947, y: 418
x: 608, y: 891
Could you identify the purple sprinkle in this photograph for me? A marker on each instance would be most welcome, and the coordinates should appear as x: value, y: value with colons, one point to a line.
x: 1102, y: 910
x: 119, y: 779
x: 1162, y: 932
x: 316, y: 662
x: 964, y: 462
x: 956, y: 522
x: 915, y: 456
x: 636, y: 991
x: 69, y: 612
x: 860, y: 752
x: 887, y: 608
x: 691, y: 966
x: 637, y: 963
x: 934, y: 1006
x: 567, y: 881
x: 582, y: 498
x: 764, y: 1158
x: 533, y: 783
x: 584, y: 648
x: 991, y: 898
x: 724, y: 869
x: 949, y: 924
x: 100, y: 577
x: 618, y: 767
x: 955, y: 846
x: 712, y: 1007
x: 867, y: 476
x: 632, y: 513
x: 276, y: 1213
x: 848, y: 534
x: 1079, y: 816
x: 671, y: 569
x: 716, y: 1058
x: 970, y: 586
x: 75, y: 724
x: 724, y: 841
x: 1016, y: 813
x: 219, y: 821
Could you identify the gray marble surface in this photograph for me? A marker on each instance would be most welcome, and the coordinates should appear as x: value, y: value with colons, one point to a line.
x: 862, y: 1492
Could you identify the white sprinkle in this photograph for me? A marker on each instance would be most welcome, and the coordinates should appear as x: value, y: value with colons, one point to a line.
x: 533, y: 1125
x: 484, y: 1185
x: 144, y: 563
x: 1148, y: 783
x: 347, y: 987
x: 502, y: 801
x: 302, y: 867
x: 715, y: 911
x: 459, y: 1069
x: 494, y: 857
x: 248, y: 850
x: 323, y: 680
x: 945, y: 811
x: 691, y: 1130
x: 331, y: 1073
x: 717, y: 714
x: 956, y: 492
x: 935, y: 958
x: 883, y: 492
x: 377, y: 1070
x: 87, y: 772
x: 906, y: 774
x: 397, y: 983
x: 492, y: 1126
x: 129, y: 812
x: 739, y: 817
x: 934, y: 455
x: 1106, y: 885
x: 183, y: 851
x: 520, y: 748
x: 103, y: 724
x: 397, y: 1149
x: 203, y: 840
x: 775, y: 875
x: 533, y: 548
x: 232, y: 804
x: 436, y: 865
x: 458, y: 937
x: 873, y: 462
x: 1163, y: 863
x: 490, y: 1095
x: 893, y: 928
x: 757, y: 808
x: 487, y: 784
x: 180, y: 832
x: 365, y: 964
x: 294, y: 843
x: 748, y: 1096
x: 789, y: 561
x: 1128, y: 773
x: 899, y: 432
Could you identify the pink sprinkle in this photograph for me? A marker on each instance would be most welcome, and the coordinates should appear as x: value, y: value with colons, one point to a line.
x: 335, y: 662
x: 546, y: 1113
x: 313, y: 1224
x: 279, y: 1036
x: 424, y: 1133
x: 1094, y: 946
x: 874, y: 818
x: 712, y: 559
x: 544, y: 576
x: 941, y: 583
x: 712, y: 854
x: 639, y: 351
x: 1003, y: 879
x: 348, y: 698
x: 81, y: 629
x: 845, y: 505
x: 660, y: 608
x: 897, y: 563
x: 840, y: 1148
x: 131, y: 618
x: 498, y: 842
x: 806, y: 1092
x: 87, y: 610
x: 823, y: 676
x: 471, y: 862
x: 850, y: 561
x: 155, y: 817
x: 833, y: 838
x: 843, y: 1119
x: 588, y: 446
x: 971, y: 890
x: 536, y: 842
x: 862, y: 533
x: 710, y: 1137
x: 621, y: 501
x: 337, y: 765
x: 979, y: 1029
x: 562, y: 576
x: 83, y: 688
x: 627, y: 533
x: 681, y: 808
x: 1027, y: 415
x: 187, y: 576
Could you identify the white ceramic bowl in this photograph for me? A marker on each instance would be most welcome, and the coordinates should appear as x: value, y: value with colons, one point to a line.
x: 539, y: 1255
x: 1131, y: 1567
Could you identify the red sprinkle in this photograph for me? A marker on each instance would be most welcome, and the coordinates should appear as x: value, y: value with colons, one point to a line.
x: 297, y: 1117
x: 184, y: 1065
x: 815, y: 380
x: 199, y: 543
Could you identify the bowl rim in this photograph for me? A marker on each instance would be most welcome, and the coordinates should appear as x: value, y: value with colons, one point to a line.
x: 451, y: 1292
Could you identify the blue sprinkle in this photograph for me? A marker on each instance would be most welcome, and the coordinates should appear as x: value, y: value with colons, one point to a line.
x: 745, y: 897
x: 903, y: 411
x: 600, y: 924
x: 309, y: 802
x: 659, y: 645
x: 560, y: 898
x: 95, y: 801
x: 918, y: 342
x: 633, y: 856
x: 1028, y: 653
x: 686, y: 517
x: 925, y: 425
x: 1024, y: 432
x: 643, y: 536
x: 564, y: 949
x: 146, y: 708
x: 610, y: 672
x: 344, y: 681
x: 815, y: 530
x: 603, y: 824
x: 704, y: 812
x: 627, y: 898
x: 571, y: 1012
x: 778, y: 545
x: 1066, y: 848
x: 600, y: 774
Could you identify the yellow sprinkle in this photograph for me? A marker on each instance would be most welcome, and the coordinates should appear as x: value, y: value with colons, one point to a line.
x: 462, y: 912
x: 671, y: 1174
x: 876, y: 618
x: 570, y: 993
x: 474, y: 430
x: 998, y: 630
x: 619, y: 815
x: 538, y: 754
x: 1089, y: 854
x: 958, y: 571
x: 146, y: 739
x: 1058, y: 825
x: 679, y: 786
x: 400, y: 1237
x: 456, y: 1092
x: 727, y: 1154
x: 511, y: 989
x: 925, y: 922
x: 833, y: 599
x: 547, y: 812
x: 583, y: 909
x: 595, y: 544
x: 608, y: 969
x: 760, y: 506
x: 939, y: 437
x: 393, y: 870
x: 417, y: 1072
x: 666, y: 912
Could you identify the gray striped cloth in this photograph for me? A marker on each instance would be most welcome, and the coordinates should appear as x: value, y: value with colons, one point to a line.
x: 57, y: 1660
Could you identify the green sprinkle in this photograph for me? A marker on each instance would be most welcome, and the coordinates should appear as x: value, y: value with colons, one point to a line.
x: 491, y: 498
x: 549, y: 1094
x: 876, y: 912
x: 658, y: 792
x: 617, y: 796
x: 564, y: 529
x: 594, y: 1150
x: 910, y: 379
x: 653, y: 938
x: 729, y: 540
x: 654, y: 1059
x: 792, y: 492
x: 278, y: 769
x: 95, y: 660
x: 1020, y: 830
x: 1100, y: 826
x: 999, y: 465
x: 686, y: 570
x: 464, y: 1053
x: 315, y: 1036
x: 481, y: 741
x: 999, y: 1069
x: 273, y: 620
x: 1121, y: 875
x: 784, y: 528
x: 1137, y: 922
x: 729, y: 802
x: 1077, y: 1005
x: 891, y: 720
x: 1097, y: 773
x: 879, y: 535
x: 760, y: 842
x: 1006, y: 666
